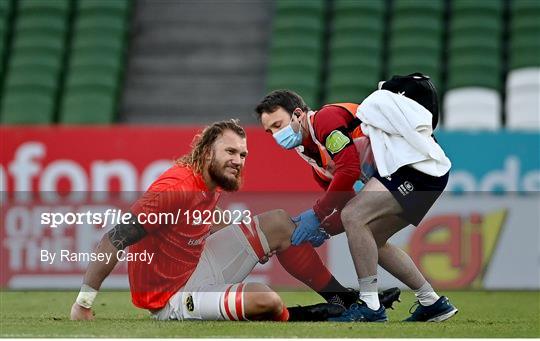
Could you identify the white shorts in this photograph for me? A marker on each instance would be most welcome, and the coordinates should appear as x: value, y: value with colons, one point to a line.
x: 214, y: 291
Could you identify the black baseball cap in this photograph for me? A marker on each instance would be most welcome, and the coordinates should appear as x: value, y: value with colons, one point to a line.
x: 417, y: 87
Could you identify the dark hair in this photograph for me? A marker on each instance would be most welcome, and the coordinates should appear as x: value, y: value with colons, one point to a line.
x: 203, y: 142
x: 287, y: 99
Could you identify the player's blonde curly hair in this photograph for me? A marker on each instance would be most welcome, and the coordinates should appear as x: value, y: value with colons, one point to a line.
x: 203, y: 142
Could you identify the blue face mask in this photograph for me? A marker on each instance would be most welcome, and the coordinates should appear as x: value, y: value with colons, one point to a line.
x: 288, y: 138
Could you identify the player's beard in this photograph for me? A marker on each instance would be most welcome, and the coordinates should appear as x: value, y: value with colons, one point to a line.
x: 217, y: 173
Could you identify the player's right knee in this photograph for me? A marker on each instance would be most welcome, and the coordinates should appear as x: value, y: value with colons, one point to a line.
x: 261, y: 300
x: 269, y: 303
x: 277, y: 227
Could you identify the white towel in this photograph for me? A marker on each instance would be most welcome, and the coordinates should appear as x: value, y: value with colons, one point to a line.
x: 400, y: 131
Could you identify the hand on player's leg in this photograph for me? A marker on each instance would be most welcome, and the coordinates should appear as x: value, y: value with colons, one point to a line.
x: 307, y: 225
x: 79, y: 313
x: 319, y: 238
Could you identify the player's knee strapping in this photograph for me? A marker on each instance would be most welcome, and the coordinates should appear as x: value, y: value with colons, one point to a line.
x: 255, y: 237
x: 232, y: 303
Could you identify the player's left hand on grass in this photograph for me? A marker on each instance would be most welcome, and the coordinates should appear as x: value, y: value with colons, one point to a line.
x: 79, y: 313
x: 307, y: 225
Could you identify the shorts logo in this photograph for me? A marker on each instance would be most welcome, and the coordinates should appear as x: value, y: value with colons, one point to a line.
x: 406, y: 188
x: 189, y: 303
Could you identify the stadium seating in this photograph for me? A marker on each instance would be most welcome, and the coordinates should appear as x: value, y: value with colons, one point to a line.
x: 94, y: 70
x: 416, y: 38
x: 5, y: 14
x: 355, y: 50
x: 523, y: 81
x: 473, y: 99
x: 296, y: 52
x: 35, y: 64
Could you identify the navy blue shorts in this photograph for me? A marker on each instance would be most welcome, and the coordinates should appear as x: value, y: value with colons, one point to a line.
x: 415, y: 191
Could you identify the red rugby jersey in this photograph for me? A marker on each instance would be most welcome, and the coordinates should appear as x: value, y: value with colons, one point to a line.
x: 177, y: 245
x: 340, y: 190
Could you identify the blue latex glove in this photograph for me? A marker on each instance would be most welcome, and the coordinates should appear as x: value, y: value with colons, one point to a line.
x: 319, y: 238
x: 307, y: 227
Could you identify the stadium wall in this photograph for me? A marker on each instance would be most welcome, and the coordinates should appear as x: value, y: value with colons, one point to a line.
x: 483, y: 233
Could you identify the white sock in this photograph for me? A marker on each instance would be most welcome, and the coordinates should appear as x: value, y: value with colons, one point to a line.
x: 426, y: 295
x: 368, y: 292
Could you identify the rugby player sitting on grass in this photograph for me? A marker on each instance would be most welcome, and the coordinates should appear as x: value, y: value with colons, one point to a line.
x: 198, y: 268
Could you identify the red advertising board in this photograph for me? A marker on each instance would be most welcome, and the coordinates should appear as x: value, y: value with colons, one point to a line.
x: 77, y: 168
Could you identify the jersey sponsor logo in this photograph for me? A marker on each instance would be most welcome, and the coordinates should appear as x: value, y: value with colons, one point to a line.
x: 199, y: 241
x: 195, y: 242
x: 405, y: 188
x: 336, y: 141
x: 190, y: 306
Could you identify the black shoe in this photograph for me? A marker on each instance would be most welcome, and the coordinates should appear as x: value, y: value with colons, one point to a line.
x: 344, y: 298
x: 389, y: 296
x: 316, y: 312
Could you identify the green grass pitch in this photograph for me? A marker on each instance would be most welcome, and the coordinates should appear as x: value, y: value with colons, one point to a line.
x: 482, y: 314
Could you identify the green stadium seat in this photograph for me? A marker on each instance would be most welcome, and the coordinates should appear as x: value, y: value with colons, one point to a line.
x: 414, y: 25
x: 24, y: 58
x: 477, y: 24
x: 475, y: 48
x: 351, y: 43
x: 366, y: 60
x: 474, y: 70
x: 286, y: 25
x: 344, y: 86
x: 296, y: 8
x: 117, y: 7
x: 421, y: 44
x: 525, y: 24
x: 36, y: 58
x: 356, y: 45
x: 95, y: 62
x: 5, y: 12
x: 427, y: 65
x: 114, y: 25
x: 3, y: 33
x: 358, y: 25
x: 477, y: 7
x: 32, y: 78
x: 27, y: 108
x: 98, y: 42
x: 39, y: 40
x: 521, y: 8
x: 475, y: 76
x: 101, y: 58
x: 303, y: 41
x: 524, y: 34
x: 473, y: 42
x: 41, y: 24
x: 365, y: 8
x: 89, y: 76
x: 525, y: 51
x: 422, y: 8
x: 45, y: 7
x: 296, y: 51
x: 5, y: 6
x: 415, y: 38
x: 88, y: 107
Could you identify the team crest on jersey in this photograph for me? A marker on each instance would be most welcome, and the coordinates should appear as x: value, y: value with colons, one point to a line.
x: 189, y: 303
x: 336, y: 141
